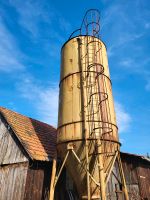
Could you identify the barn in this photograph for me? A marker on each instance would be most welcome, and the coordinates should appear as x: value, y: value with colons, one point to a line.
x: 28, y: 147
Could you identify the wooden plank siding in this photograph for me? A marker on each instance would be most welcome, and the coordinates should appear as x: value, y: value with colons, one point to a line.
x: 20, y: 177
x: 13, y: 181
x: 137, y: 175
x: 9, y: 149
x: 38, y: 181
x: 60, y: 191
x: 144, y: 181
x: 28, y: 181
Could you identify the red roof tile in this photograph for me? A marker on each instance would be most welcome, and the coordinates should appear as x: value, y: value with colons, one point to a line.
x: 37, y: 138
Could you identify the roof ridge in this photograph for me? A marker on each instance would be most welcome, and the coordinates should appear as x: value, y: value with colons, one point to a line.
x: 28, y: 130
x: 27, y: 116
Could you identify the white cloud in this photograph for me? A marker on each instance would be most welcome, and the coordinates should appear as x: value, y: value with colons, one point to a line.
x: 64, y: 25
x: 138, y: 66
x: 147, y: 25
x: 44, y: 100
x: 31, y: 13
x: 127, y: 62
x: 123, y: 118
x: 128, y: 37
x: 9, y: 53
x: 117, y: 20
x: 34, y: 14
x: 112, y: 10
x: 123, y: 40
x: 48, y: 107
x: 147, y: 87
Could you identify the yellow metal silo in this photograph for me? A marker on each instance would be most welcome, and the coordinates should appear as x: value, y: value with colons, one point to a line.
x: 87, y: 139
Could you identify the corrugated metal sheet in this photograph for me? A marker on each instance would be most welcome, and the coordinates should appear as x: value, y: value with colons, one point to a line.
x: 38, y: 138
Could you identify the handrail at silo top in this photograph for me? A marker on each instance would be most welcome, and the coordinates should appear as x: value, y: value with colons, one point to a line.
x: 88, y: 11
x: 79, y: 29
x: 86, y: 22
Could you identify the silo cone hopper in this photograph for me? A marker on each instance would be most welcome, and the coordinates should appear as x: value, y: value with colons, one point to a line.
x: 87, y: 139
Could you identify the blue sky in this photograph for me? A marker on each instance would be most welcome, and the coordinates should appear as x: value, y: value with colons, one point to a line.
x: 32, y: 33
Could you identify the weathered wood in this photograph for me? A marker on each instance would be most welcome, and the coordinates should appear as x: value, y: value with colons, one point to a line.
x: 12, y: 181
x: 38, y: 181
x: 10, y: 152
x: 137, y: 174
x: 52, y: 180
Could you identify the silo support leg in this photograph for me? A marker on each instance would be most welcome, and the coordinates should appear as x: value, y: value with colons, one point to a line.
x: 52, y: 187
x: 62, y: 166
x: 101, y: 171
x: 102, y: 180
x: 54, y: 177
x: 123, y: 178
x: 87, y: 169
x: 109, y: 171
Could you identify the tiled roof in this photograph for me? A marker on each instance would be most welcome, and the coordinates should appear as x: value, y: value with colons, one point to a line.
x: 37, y: 138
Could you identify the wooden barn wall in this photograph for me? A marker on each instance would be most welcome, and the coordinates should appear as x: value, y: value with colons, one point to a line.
x: 29, y: 181
x: 137, y: 175
x: 12, y: 181
x: 9, y: 150
x: 144, y: 181
x: 114, y: 191
x: 61, y: 188
x: 38, y: 182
